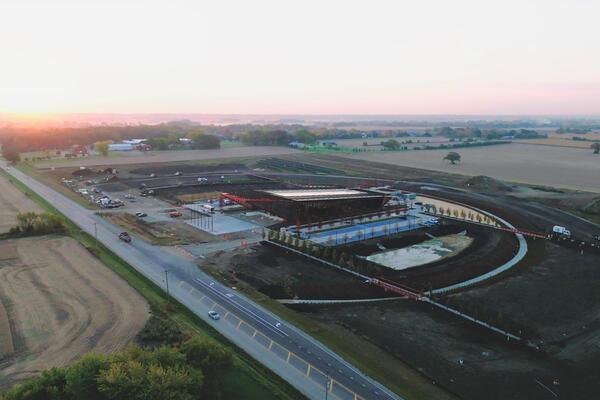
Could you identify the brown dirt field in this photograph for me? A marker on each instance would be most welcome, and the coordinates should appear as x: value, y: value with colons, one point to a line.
x: 12, y: 201
x: 192, y: 197
x: 559, y: 142
x: 560, y: 167
x: 170, y: 156
x: 61, y: 303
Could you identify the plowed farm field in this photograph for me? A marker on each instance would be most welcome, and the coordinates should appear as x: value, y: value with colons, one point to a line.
x: 58, y: 302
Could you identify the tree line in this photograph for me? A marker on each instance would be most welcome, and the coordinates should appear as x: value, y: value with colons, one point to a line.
x: 193, y: 370
x: 489, y: 134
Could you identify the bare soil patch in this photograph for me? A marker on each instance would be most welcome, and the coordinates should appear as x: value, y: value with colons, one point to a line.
x: 61, y: 302
x: 162, y: 233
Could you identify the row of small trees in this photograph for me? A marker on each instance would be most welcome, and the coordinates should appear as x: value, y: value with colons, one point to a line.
x: 325, y: 253
x: 461, y: 214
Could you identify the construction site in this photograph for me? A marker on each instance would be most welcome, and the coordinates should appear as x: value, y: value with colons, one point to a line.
x: 432, y: 278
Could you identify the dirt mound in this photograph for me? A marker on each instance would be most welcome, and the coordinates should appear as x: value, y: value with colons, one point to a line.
x: 486, y: 183
x: 592, y: 207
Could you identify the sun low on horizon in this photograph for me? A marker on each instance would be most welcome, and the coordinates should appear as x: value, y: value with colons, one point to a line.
x: 273, y: 57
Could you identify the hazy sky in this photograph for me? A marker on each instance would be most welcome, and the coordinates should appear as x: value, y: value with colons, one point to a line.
x: 327, y: 56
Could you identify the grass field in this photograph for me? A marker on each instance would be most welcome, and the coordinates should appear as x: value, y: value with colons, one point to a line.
x: 249, y: 380
x: 12, y: 202
x: 558, y: 167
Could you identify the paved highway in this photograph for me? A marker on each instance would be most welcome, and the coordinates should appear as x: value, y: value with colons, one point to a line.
x: 295, y: 356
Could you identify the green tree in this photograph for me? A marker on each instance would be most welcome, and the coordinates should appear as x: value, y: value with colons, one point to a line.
x: 102, y: 147
x: 213, y: 360
x: 596, y: 147
x: 11, y: 154
x: 202, y: 141
x: 453, y: 157
x: 305, y: 136
x: 391, y: 144
x: 31, y: 223
x: 49, y: 386
x: 81, y: 377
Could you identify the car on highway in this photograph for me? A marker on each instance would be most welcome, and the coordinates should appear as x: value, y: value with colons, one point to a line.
x: 140, y: 214
x: 214, y: 315
x: 124, y: 236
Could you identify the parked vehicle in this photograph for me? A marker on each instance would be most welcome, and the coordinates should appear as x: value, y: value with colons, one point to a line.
x: 596, y: 237
x: 214, y: 315
x: 175, y: 214
x: 209, y: 208
x: 561, y: 230
x: 124, y: 236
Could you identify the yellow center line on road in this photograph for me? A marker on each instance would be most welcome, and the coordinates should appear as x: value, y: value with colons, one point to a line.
x: 289, y: 356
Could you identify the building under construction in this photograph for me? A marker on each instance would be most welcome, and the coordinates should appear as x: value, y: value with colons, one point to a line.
x: 306, y: 206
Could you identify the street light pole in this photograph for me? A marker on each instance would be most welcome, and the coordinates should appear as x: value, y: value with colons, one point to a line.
x: 167, y: 281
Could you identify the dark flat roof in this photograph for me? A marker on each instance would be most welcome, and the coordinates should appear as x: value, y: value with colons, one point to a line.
x: 320, y: 194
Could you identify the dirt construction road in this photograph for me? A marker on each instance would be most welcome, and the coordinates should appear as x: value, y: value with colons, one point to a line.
x: 12, y: 201
x: 60, y: 302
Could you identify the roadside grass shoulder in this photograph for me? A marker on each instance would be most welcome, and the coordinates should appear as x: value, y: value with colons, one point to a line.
x: 254, y: 380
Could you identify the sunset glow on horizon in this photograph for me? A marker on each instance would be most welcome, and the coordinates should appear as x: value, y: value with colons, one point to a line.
x: 309, y: 57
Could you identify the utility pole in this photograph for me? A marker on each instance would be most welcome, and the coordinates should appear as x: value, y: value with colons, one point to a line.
x: 167, y: 281
x: 96, y: 234
x: 327, y: 385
